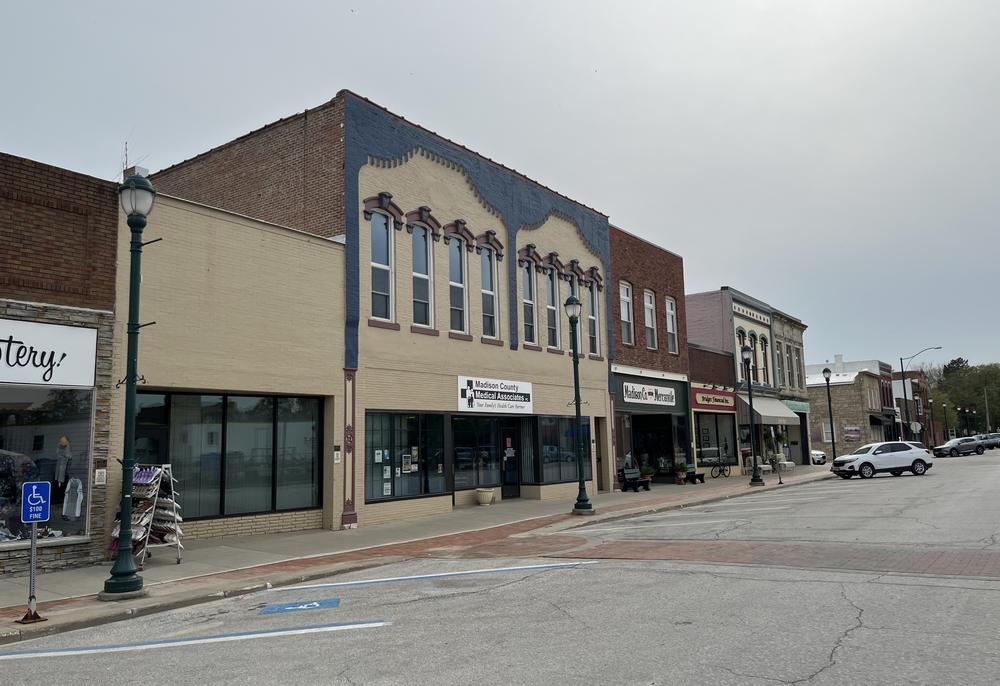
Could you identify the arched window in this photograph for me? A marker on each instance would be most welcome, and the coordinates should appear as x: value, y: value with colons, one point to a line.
x: 763, y: 360
x: 754, y: 369
x: 456, y: 284
x: 592, y: 311
x: 488, y: 277
x: 552, y: 307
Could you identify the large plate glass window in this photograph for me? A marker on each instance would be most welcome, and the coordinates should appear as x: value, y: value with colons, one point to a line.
x: 649, y: 312
x: 488, y: 279
x: 716, y: 439
x: 422, y: 307
x: 381, y: 264
x: 477, y: 452
x: 45, y: 435
x: 625, y: 305
x: 528, y: 302
x: 456, y: 284
x: 558, y: 448
x: 404, y: 455
x: 671, y: 310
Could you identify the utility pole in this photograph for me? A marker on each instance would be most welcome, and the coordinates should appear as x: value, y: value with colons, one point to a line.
x: 986, y: 398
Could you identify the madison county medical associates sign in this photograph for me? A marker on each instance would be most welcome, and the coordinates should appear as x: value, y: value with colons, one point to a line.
x: 47, y: 354
x: 493, y: 395
x: 648, y: 395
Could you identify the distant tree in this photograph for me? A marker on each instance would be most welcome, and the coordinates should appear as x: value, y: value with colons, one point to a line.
x: 933, y: 372
x: 956, y: 366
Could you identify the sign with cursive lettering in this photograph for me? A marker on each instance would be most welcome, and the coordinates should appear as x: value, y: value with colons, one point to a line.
x: 494, y: 395
x: 647, y: 394
x: 47, y: 354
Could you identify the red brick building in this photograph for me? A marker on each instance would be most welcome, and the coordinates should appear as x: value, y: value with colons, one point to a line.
x: 650, y: 364
x: 58, y: 230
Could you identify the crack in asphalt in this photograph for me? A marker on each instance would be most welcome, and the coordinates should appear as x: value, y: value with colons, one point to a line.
x: 460, y: 594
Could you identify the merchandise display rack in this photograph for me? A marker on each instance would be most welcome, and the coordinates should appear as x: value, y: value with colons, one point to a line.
x: 156, y: 520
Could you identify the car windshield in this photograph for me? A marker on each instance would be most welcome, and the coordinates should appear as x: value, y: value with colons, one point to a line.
x: 863, y: 449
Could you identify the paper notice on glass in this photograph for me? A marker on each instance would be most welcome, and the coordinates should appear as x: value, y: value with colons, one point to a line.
x: 397, y: 471
x: 378, y: 455
x: 414, y: 466
x: 386, y: 472
x: 387, y: 488
x: 415, y: 452
x: 407, y: 461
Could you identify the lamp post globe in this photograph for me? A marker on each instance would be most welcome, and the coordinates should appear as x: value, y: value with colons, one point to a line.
x: 137, y: 196
x: 747, y: 356
x: 583, y: 505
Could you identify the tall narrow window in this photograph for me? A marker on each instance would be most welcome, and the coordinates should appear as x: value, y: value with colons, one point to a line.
x: 754, y: 368
x: 528, y: 302
x: 488, y: 271
x: 594, y: 339
x: 381, y: 239
x: 789, y: 369
x: 741, y: 341
x: 625, y: 303
x: 800, y: 373
x: 456, y: 284
x: 421, y: 277
x: 574, y: 290
x: 552, y: 308
x: 763, y: 360
x: 779, y: 358
x: 672, y: 346
x: 649, y: 311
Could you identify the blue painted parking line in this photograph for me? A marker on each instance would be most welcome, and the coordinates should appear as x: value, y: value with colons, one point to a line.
x: 279, y: 608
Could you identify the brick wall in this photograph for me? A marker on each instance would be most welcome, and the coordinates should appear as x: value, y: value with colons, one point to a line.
x: 708, y: 322
x: 647, y: 267
x: 290, y: 172
x: 709, y: 366
x: 252, y: 525
x: 57, y: 235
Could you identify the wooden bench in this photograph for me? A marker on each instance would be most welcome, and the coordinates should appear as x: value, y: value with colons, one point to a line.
x: 633, y: 478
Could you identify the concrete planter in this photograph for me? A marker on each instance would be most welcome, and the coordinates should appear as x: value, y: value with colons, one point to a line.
x: 485, y: 496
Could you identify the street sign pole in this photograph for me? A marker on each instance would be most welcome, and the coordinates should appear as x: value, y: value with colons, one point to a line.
x: 35, y: 503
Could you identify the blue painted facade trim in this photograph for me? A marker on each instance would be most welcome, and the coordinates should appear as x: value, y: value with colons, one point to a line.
x: 370, y: 131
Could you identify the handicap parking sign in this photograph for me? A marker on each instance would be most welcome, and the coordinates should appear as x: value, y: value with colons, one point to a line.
x: 35, y: 501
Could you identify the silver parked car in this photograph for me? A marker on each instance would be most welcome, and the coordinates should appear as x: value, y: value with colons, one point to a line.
x: 959, y: 446
x: 989, y: 441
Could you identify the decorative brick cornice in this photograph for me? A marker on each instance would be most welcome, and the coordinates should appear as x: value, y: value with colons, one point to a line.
x: 423, y: 215
x: 383, y: 201
x: 594, y: 276
x: 553, y: 262
x: 489, y: 240
x: 458, y: 229
x: 528, y: 254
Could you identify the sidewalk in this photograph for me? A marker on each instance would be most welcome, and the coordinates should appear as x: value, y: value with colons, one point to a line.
x: 222, y: 567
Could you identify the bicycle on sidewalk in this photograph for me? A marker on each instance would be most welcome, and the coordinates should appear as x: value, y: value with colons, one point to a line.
x: 720, y: 470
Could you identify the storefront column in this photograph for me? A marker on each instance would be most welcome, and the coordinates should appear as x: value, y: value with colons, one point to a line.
x: 349, y: 518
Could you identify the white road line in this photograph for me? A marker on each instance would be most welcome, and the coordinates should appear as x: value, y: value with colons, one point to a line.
x: 651, y: 526
x: 174, y: 643
x: 393, y: 579
x: 726, y: 512
x: 764, y: 499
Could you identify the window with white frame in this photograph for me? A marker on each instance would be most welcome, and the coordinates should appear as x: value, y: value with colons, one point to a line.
x: 422, y: 290
x: 381, y: 266
x: 528, y: 302
x: 649, y: 314
x: 764, y: 360
x: 827, y: 432
x: 625, y: 302
x: 456, y: 284
x: 789, y: 369
x: 799, y: 373
x: 779, y: 358
x: 672, y: 344
x: 594, y: 338
x: 488, y: 268
x: 754, y: 367
x: 574, y: 290
x: 552, y: 308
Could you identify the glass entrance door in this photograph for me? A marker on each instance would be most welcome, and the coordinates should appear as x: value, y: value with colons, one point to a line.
x: 510, y: 442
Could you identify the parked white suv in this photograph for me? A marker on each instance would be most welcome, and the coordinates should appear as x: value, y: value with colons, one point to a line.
x: 894, y: 457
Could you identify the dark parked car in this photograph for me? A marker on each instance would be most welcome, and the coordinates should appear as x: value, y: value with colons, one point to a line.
x: 989, y: 441
x: 959, y: 446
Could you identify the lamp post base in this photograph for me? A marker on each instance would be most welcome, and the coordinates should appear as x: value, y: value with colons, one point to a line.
x: 123, y: 595
x: 755, y: 480
x: 118, y: 587
x: 584, y: 511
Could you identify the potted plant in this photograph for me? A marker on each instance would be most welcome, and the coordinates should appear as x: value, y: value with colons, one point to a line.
x: 647, y: 471
x: 485, y: 496
x: 680, y: 471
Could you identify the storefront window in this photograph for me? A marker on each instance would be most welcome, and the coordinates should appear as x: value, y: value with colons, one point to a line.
x: 260, y: 436
x: 716, y: 439
x: 558, y: 449
x: 404, y: 455
x: 477, y: 452
x: 45, y: 435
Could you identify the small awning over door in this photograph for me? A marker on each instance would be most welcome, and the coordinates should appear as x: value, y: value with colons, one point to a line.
x: 767, y: 411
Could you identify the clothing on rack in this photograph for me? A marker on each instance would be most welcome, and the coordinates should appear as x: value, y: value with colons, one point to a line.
x: 73, y: 500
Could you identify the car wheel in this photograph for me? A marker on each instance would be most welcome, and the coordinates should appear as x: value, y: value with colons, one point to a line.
x: 866, y: 471
x: 897, y: 472
x: 919, y: 468
x: 845, y: 476
x: 953, y: 453
x: 979, y: 450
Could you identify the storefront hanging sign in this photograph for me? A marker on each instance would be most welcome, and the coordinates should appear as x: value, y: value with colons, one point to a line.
x: 47, y: 354
x: 648, y: 395
x: 715, y: 400
x: 476, y: 394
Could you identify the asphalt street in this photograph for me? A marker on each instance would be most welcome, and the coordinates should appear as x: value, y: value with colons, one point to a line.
x: 895, y: 580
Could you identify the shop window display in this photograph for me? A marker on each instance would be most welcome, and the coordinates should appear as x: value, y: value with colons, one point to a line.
x: 45, y: 435
x: 404, y: 456
x: 716, y: 439
x: 477, y: 452
x: 558, y: 449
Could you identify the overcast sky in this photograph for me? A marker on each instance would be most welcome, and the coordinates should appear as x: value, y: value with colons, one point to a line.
x: 836, y: 159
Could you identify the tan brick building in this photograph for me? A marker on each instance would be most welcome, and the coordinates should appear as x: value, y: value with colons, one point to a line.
x: 857, y: 411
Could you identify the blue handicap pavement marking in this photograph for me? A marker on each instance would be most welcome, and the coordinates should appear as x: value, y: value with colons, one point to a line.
x: 278, y: 608
x: 35, y: 502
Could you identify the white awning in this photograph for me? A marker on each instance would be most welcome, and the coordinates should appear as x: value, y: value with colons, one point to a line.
x: 767, y: 411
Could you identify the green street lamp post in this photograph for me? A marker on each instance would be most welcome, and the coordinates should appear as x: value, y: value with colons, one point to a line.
x: 137, y: 195
x: 746, y: 354
x: 975, y: 421
x: 944, y: 407
x: 583, y: 505
x: 959, y: 424
x: 829, y: 406
x: 902, y: 376
x: 930, y: 402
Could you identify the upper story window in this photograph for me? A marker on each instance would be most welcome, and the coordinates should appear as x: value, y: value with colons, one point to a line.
x: 625, y: 302
x: 381, y: 266
x: 422, y: 291
x: 790, y: 370
x: 763, y: 360
x: 552, y: 308
x: 649, y: 314
x: 574, y: 290
x: 456, y: 284
x: 488, y: 269
x: 593, y: 338
x: 799, y: 374
x: 778, y: 356
x: 671, y: 310
x: 528, y: 302
x: 754, y: 368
